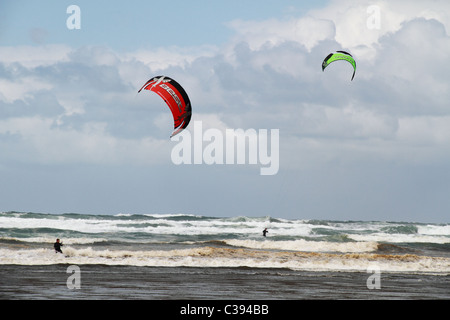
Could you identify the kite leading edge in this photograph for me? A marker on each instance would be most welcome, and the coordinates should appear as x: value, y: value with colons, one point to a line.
x: 176, y: 99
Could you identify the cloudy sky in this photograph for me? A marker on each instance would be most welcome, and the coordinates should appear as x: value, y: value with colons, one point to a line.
x: 76, y: 137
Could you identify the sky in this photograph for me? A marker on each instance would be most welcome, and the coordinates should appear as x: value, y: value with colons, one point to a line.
x: 75, y: 136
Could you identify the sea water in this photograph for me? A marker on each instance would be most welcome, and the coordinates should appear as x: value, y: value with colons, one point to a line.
x: 183, y: 256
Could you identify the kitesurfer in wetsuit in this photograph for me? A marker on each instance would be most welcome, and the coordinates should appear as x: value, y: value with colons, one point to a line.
x: 265, y: 231
x: 58, y: 246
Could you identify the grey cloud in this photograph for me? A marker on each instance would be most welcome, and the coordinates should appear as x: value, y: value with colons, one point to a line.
x: 372, y: 142
x: 271, y: 86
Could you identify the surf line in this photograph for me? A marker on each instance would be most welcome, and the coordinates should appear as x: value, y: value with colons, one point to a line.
x: 191, y: 310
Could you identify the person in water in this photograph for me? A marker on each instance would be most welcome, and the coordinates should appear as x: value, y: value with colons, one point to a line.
x: 58, y: 246
x: 265, y: 231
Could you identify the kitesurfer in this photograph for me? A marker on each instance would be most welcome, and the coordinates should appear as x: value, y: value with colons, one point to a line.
x: 265, y: 231
x: 58, y: 246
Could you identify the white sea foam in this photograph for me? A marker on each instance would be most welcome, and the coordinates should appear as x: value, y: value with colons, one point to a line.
x: 51, y: 239
x: 439, y: 230
x: 309, y: 246
x: 400, y: 238
x: 213, y: 257
x: 189, y: 240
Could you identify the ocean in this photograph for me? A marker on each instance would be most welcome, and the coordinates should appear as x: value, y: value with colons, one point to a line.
x: 192, y: 257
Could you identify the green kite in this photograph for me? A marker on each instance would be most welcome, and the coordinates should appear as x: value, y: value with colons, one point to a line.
x: 339, y: 55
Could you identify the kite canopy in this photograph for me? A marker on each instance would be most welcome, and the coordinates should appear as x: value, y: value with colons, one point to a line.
x: 339, y: 55
x: 175, y: 97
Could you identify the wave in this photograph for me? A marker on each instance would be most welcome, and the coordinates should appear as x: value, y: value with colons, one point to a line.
x: 51, y: 240
x: 400, y: 238
x: 305, y: 245
x: 232, y: 257
x: 401, y: 229
x: 158, y: 239
x: 436, y: 230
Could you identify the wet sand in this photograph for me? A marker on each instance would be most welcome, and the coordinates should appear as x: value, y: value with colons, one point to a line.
x: 164, y: 283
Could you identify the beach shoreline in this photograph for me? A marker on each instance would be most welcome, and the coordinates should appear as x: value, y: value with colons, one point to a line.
x: 100, y: 282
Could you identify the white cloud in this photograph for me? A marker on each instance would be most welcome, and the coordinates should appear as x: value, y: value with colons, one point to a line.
x: 21, y: 88
x: 46, y: 143
x: 306, y: 30
x: 160, y: 59
x: 34, y: 56
x: 267, y: 76
x: 351, y: 18
x: 79, y: 108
